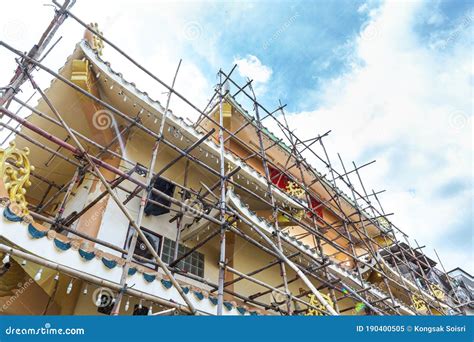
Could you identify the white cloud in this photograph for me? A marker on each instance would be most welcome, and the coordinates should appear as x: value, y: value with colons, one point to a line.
x: 410, y: 107
x: 251, y: 67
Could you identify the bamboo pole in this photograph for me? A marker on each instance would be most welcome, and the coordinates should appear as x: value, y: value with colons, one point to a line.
x: 19, y: 78
x: 291, y: 265
x: 97, y: 161
x: 222, y: 206
x: 262, y: 283
x: 313, y: 219
x: 272, y: 199
x: 141, y: 210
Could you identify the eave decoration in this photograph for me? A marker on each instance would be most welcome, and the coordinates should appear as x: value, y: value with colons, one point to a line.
x: 319, y: 308
x: 15, y: 171
x: 418, y: 303
x: 97, y: 42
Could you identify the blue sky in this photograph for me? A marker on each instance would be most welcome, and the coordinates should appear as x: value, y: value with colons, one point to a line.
x: 392, y: 80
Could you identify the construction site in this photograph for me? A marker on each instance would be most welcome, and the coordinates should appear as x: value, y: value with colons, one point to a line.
x: 113, y: 204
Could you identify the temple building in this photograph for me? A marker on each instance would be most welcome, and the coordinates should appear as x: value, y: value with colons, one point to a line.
x: 114, y: 205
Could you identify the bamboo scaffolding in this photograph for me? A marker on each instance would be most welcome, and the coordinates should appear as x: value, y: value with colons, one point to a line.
x: 222, y: 205
x: 20, y: 77
x: 352, y: 226
x: 141, y: 211
x: 272, y: 198
x: 91, y: 279
x: 53, y: 139
x: 93, y: 163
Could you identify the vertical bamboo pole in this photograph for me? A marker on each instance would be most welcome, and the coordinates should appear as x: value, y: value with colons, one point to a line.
x: 179, y: 221
x: 447, y: 276
x: 73, y: 182
x: 308, y: 199
x: 272, y: 199
x: 145, y: 194
x: 222, y: 204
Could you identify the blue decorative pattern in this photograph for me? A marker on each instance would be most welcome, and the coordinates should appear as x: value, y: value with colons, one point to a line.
x: 241, y: 310
x: 9, y: 215
x: 112, y: 263
x: 86, y: 255
x: 149, y: 277
x: 35, y: 233
x: 228, y: 305
x: 109, y: 263
x: 64, y: 246
x: 198, y: 295
x: 166, y: 283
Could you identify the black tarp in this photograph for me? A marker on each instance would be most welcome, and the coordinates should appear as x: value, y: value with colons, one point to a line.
x: 163, y: 186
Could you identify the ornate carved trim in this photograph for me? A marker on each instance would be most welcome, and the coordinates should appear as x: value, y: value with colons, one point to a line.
x: 15, y: 171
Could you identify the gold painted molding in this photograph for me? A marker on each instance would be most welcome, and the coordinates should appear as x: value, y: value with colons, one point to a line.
x: 418, y: 303
x: 316, y: 303
x: 97, y: 43
x: 15, y: 171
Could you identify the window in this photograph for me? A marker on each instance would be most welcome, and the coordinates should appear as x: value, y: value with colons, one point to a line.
x: 165, y: 187
x: 140, y: 247
x: 278, y: 178
x: 317, y: 207
x: 193, y: 263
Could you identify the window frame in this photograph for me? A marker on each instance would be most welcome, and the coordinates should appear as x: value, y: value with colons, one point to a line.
x: 145, y: 230
x: 196, y: 260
